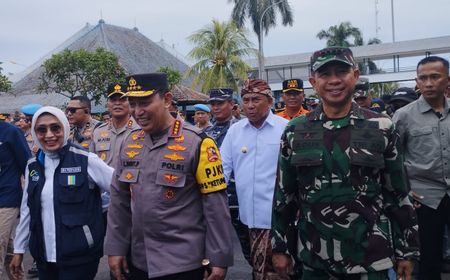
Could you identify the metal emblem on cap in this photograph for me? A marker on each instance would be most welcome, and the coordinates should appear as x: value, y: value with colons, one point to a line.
x: 292, y: 84
x: 132, y: 82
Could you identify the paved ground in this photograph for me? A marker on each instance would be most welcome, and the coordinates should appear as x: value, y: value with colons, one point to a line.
x: 240, y: 271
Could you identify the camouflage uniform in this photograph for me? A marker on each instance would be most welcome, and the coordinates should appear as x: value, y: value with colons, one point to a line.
x: 345, y: 177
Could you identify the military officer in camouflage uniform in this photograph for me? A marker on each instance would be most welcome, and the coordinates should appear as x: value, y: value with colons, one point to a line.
x: 82, y: 125
x: 341, y: 168
x: 168, y: 195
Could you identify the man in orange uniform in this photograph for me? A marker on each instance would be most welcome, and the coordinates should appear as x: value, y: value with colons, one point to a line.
x: 293, y: 96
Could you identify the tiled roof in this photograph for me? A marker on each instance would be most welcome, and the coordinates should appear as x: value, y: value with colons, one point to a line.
x: 136, y: 53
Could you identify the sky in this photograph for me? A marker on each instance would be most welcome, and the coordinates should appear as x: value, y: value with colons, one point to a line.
x: 29, y: 29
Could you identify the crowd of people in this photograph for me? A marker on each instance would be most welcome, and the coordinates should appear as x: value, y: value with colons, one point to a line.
x: 351, y: 187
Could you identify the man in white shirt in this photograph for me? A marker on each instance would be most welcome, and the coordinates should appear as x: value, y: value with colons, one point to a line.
x: 250, y: 149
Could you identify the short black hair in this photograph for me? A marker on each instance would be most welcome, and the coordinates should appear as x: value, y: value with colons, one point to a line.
x: 430, y: 59
x: 84, y: 100
x: 106, y: 113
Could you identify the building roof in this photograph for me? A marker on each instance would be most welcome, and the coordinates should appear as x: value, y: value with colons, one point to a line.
x: 187, y: 96
x: 408, y: 48
x: 136, y: 53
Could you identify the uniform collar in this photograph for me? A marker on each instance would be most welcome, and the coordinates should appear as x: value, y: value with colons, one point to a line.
x: 318, y: 114
x: 425, y: 107
x: 270, y: 120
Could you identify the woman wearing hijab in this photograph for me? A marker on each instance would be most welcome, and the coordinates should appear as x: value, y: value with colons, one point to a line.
x: 61, y: 214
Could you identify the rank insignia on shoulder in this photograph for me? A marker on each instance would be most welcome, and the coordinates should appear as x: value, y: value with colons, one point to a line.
x: 135, y: 146
x: 176, y: 127
x: 174, y: 157
x: 132, y: 154
x: 180, y: 139
x: 130, y: 123
x: 212, y: 154
x: 137, y: 135
x: 169, y: 194
x: 129, y: 176
x: 176, y: 147
x: 84, y: 145
x: 170, y: 178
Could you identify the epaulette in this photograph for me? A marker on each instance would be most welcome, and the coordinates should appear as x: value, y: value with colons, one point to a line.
x: 101, y: 126
x: 192, y: 128
x: 130, y: 123
x: 176, y: 128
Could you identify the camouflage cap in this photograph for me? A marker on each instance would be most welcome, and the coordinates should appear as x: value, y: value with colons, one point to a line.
x: 324, y: 56
x: 361, y: 88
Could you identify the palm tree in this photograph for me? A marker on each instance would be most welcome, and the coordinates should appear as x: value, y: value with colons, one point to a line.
x: 262, y: 14
x: 254, y: 9
x: 338, y: 35
x: 219, y: 52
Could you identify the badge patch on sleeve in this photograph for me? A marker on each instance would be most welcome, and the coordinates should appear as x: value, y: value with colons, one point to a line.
x: 209, y: 170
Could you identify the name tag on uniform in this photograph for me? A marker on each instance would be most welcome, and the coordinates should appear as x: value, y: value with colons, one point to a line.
x: 66, y: 170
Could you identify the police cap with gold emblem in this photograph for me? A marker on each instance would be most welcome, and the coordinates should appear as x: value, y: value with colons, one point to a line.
x: 293, y: 84
x: 116, y: 89
x: 143, y: 85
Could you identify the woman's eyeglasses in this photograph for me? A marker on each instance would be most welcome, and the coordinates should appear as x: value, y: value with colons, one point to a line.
x: 72, y: 110
x: 54, y: 128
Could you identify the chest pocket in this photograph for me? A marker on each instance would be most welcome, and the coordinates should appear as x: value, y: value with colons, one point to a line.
x: 307, y: 154
x: 72, y: 190
x: 424, y: 131
x: 307, y: 145
x: 129, y: 176
x: 102, y: 146
x: 367, y: 147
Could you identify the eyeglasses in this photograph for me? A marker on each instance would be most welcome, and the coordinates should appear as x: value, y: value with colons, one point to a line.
x: 42, y: 129
x: 72, y: 110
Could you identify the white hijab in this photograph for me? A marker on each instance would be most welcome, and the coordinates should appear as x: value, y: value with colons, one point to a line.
x: 61, y: 118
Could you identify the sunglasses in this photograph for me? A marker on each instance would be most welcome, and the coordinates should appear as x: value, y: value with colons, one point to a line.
x: 72, y: 110
x: 54, y: 128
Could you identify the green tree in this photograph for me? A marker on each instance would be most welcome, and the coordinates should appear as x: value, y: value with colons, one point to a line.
x: 71, y: 73
x: 252, y: 9
x: 173, y: 76
x: 339, y: 35
x: 219, y: 51
x: 5, y: 83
